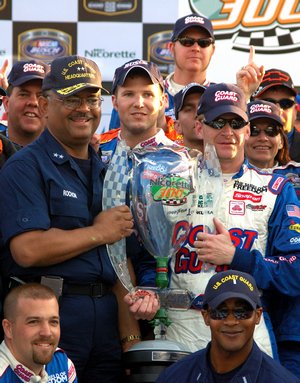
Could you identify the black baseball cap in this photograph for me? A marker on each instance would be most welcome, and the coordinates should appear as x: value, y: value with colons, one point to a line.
x: 180, y: 96
x: 24, y: 71
x: 148, y: 66
x: 275, y: 77
x: 231, y: 284
x: 189, y: 21
x: 69, y: 75
x: 264, y: 109
x: 222, y: 98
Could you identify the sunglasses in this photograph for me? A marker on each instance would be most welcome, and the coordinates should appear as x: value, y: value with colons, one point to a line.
x: 189, y: 41
x: 240, y: 313
x: 234, y: 123
x: 284, y: 103
x: 270, y: 131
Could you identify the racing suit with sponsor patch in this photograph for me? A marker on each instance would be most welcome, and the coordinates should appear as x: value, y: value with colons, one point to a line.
x: 262, y: 215
x: 59, y: 370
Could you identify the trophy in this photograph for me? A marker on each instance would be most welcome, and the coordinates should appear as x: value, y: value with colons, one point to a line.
x: 163, y: 201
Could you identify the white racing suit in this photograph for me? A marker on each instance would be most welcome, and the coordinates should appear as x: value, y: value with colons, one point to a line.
x: 262, y: 215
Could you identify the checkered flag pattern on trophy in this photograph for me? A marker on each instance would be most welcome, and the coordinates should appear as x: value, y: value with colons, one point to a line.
x: 114, y: 194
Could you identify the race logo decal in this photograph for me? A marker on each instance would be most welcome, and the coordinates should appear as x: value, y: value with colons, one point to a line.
x: 272, y: 26
x: 171, y: 189
x: 2, y: 4
x: 256, y: 207
x: 44, y: 44
x: 110, y: 8
x: 236, y: 208
x: 158, y: 51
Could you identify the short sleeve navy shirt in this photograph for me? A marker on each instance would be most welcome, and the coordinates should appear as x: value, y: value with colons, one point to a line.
x: 42, y: 187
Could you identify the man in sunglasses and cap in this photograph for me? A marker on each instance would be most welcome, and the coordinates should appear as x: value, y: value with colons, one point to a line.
x: 256, y: 223
x: 53, y: 226
x: 277, y: 86
x: 231, y: 309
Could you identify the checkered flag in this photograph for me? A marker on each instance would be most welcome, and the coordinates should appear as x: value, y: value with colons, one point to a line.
x: 114, y: 194
x: 271, y: 41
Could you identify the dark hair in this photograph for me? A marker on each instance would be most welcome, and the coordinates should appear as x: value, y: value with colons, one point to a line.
x: 282, y: 156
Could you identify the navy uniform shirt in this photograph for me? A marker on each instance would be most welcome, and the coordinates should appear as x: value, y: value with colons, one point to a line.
x: 42, y: 187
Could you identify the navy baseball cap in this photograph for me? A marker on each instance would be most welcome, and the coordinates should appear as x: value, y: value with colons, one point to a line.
x: 189, y: 21
x: 71, y: 74
x: 231, y: 284
x: 23, y: 71
x: 222, y: 98
x: 180, y: 96
x: 264, y: 109
x: 2, y: 92
x: 149, y: 67
x: 275, y: 77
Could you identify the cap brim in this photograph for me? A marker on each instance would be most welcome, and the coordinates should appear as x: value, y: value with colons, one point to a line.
x: 224, y: 109
x: 23, y: 80
x: 273, y: 118
x: 153, y: 79
x: 214, y: 303
x: 70, y: 90
x: 2, y: 92
x: 193, y: 26
x: 272, y: 85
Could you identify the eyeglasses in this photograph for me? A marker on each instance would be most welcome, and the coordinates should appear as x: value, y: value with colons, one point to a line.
x: 270, y: 131
x: 235, y: 123
x: 75, y: 102
x: 189, y: 41
x: 241, y: 313
x: 284, y: 103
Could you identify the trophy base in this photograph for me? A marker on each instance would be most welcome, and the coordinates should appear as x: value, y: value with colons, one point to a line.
x: 146, y: 360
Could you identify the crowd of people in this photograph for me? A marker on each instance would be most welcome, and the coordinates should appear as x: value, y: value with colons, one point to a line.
x: 65, y: 312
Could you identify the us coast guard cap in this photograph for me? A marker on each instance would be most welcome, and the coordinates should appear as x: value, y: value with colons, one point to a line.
x: 275, y: 77
x: 180, y: 96
x: 222, y: 98
x: 231, y: 284
x: 264, y: 109
x: 23, y: 71
x: 71, y: 74
x: 189, y: 21
x: 149, y: 67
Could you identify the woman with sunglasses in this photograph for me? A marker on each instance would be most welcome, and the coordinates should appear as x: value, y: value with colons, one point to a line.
x: 267, y: 147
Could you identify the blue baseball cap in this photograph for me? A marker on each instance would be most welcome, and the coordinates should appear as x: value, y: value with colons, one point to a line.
x: 220, y: 99
x: 24, y: 71
x: 71, y: 74
x: 231, y: 284
x: 149, y: 67
x: 180, y: 96
x: 264, y: 109
x: 189, y: 21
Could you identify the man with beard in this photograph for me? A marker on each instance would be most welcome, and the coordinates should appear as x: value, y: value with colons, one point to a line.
x: 31, y: 326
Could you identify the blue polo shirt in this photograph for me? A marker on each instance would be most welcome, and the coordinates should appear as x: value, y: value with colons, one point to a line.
x: 43, y: 187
